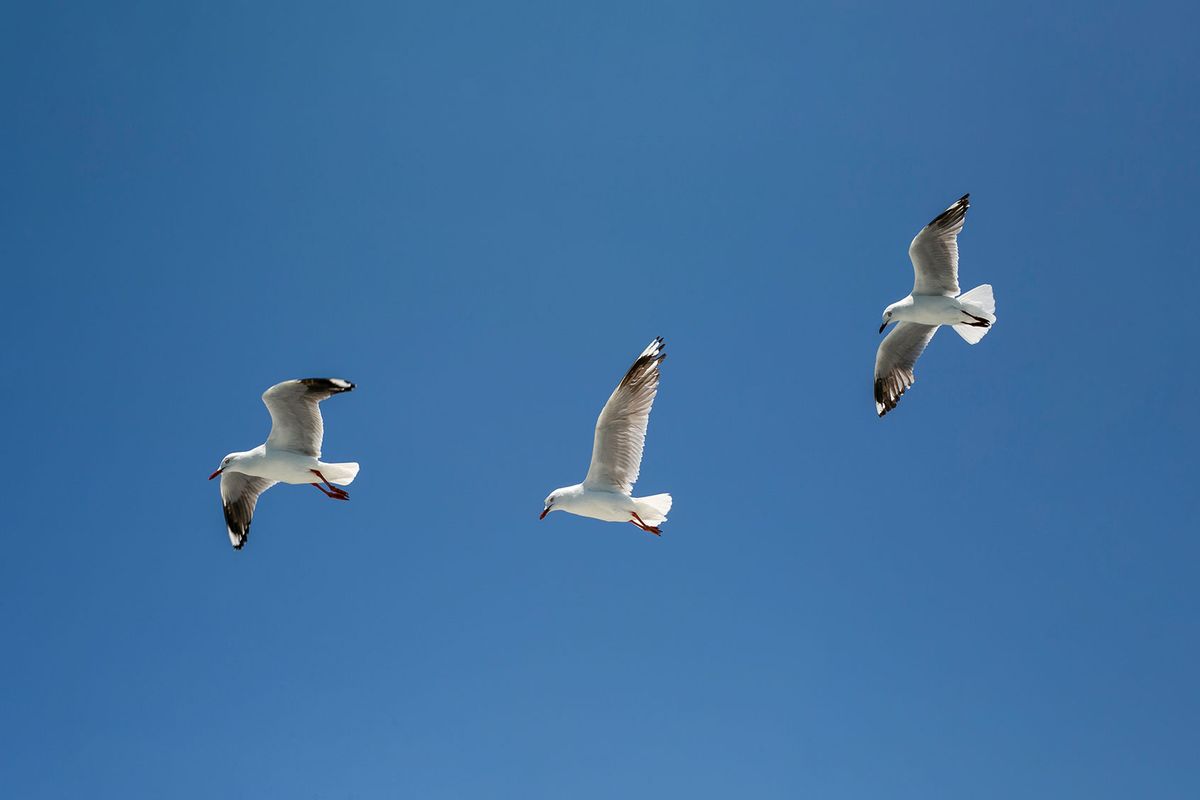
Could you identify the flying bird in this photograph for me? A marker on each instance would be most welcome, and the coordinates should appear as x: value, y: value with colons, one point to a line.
x: 291, y: 454
x: 606, y: 492
x: 934, y: 301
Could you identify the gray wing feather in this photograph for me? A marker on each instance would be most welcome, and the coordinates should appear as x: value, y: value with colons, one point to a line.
x: 621, y: 427
x: 296, y: 414
x: 934, y: 251
x: 239, y: 495
x: 894, y: 362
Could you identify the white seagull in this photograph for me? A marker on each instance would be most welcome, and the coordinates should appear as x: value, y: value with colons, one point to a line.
x: 291, y: 454
x: 934, y: 301
x: 605, y: 493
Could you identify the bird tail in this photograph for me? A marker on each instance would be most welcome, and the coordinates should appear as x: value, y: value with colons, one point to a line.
x: 653, y: 509
x: 342, y: 474
x: 982, y: 304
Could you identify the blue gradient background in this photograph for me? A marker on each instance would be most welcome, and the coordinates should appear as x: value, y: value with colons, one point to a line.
x: 481, y: 213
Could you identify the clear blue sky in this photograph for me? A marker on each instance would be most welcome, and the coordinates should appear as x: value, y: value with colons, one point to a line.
x: 480, y: 213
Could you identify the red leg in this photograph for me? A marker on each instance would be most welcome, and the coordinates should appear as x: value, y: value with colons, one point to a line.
x: 331, y: 495
x: 647, y: 528
x: 334, y: 491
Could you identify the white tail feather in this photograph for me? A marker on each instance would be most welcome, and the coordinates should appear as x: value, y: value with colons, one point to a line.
x: 982, y: 304
x: 971, y: 333
x: 981, y: 297
x: 653, y: 509
x: 342, y: 474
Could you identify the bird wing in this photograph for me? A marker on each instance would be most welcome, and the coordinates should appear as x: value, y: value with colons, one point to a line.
x: 295, y: 414
x: 239, y: 495
x: 934, y: 251
x: 894, y: 362
x: 621, y: 426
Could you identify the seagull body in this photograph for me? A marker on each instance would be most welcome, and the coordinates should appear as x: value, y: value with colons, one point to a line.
x: 935, y: 301
x: 934, y: 309
x: 283, y: 466
x: 291, y: 454
x: 609, y: 506
x: 607, y: 491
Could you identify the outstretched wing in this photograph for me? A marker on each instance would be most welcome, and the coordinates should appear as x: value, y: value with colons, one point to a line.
x: 894, y: 362
x: 239, y: 495
x: 621, y: 427
x: 934, y: 251
x: 295, y: 414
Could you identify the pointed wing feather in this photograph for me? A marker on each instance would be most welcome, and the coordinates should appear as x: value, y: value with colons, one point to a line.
x: 934, y: 251
x: 621, y: 427
x: 296, y: 415
x: 239, y: 496
x: 894, y: 362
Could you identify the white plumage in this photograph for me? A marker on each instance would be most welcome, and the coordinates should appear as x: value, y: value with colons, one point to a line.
x: 606, y: 492
x: 291, y: 454
x: 935, y: 301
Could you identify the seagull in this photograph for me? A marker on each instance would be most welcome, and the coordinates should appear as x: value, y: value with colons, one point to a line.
x: 291, y: 454
x: 605, y: 493
x: 934, y: 301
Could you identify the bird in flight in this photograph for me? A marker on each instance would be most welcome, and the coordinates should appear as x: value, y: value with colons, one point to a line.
x: 606, y: 492
x: 291, y: 454
x: 934, y: 301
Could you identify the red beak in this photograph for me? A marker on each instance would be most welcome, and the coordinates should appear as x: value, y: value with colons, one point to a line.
x: 545, y: 511
x: 215, y: 474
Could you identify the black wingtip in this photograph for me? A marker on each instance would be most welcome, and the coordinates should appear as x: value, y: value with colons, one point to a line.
x: 883, y: 403
x: 956, y: 211
x: 645, y: 363
x: 889, y: 390
x: 332, y: 385
x: 234, y: 527
x: 242, y: 537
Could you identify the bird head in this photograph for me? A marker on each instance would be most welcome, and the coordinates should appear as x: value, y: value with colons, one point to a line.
x: 225, y: 462
x: 562, y: 499
x: 559, y: 499
x: 896, y: 312
x: 887, y: 316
